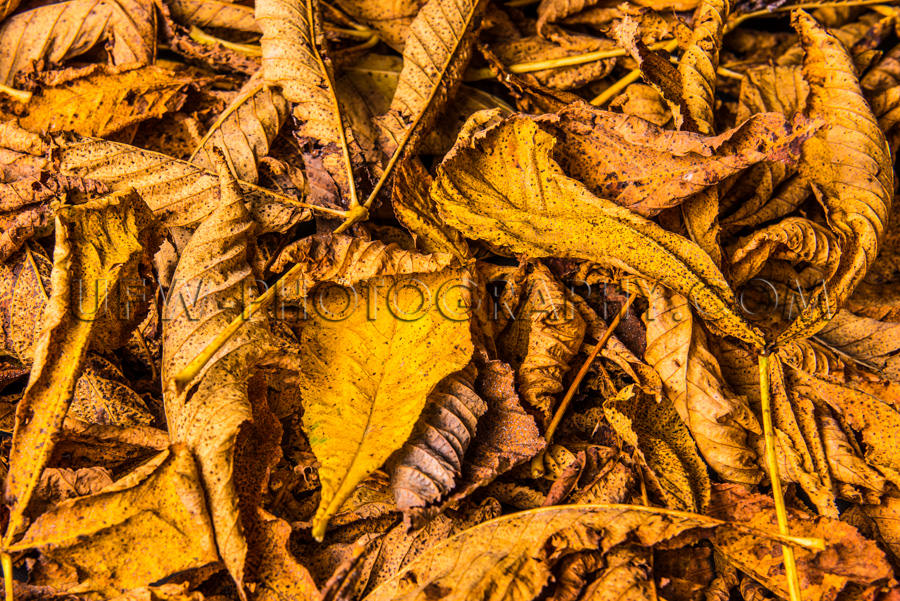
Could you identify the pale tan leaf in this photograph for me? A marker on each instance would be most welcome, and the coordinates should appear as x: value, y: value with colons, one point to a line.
x: 245, y: 130
x: 214, y: 415
x: 721, y: 422
x: 216, y: 14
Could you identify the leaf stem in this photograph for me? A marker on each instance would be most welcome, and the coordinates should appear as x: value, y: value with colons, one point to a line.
x: 6, y: 561
x: 557, y: 63
x: 200, y: 36
x: 537, y: 464
x: 17, y: 95
x: 196, y: 365
x: 790, y: 562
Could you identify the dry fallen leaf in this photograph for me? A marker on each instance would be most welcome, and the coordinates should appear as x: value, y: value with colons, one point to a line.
x: 449, y: 299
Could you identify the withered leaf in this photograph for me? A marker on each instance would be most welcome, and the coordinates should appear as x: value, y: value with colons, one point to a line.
x: 428, y: 464
x: 437, y: 50
x: 720, y: 421
x: 159, y: 508
x: 245, y: 130
x: 848, y: 558
x: 849, y: 164
x: 214, y: 414
x: 654, y: 168
x: 549, y: 214
x: 179, y: 193
x: 214, y: 14
x: 542, y: 340
x: 102, y: 397
x: 87, y: 297
x: 57, y: 32
x: 116, y: 101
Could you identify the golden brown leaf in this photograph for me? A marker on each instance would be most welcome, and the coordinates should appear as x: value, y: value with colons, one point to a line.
x: 216, y: 14
x: 245, y: 130
x: 848, y: 557
x: 654, y: 168
x: 57, y: 32
x: 793, y: 239
x: 24, y: 293
x: 848, y: 163
x: 391, y: 20
x: 871, y: 342
x: 102, y: 397
x: 214, y: 414
x: 295, y: 58
x: 104, y: 103
x: 159, y: 508
x: 544, y: 213
x: 90, y: 269
x: 415, y: 209
x: 656, y: 429
x: 720, y: 421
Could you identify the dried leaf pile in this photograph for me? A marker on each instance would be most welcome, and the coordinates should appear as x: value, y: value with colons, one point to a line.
x: 568, y: 300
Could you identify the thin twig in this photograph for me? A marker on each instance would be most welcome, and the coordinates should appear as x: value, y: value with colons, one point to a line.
x: 790, y: 562
x: 537, y: 464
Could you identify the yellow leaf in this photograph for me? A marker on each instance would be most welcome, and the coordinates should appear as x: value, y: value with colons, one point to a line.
x: 543, y: 213
x: 104, y: 103
x: 100, y: 246
x: 359, y: 403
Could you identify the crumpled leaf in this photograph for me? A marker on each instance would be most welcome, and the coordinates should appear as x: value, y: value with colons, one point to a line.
x: 546, y: 213
x: 793, y: 239
x: 116, y: 101
x: 849, y: 164
x: 542, y: 340
x: 391, y: 20
x: 720, y: 421
x: 57, y: 32
x: 428, y: 464
x: 245, y: 130
x: 19, y: 227
x: 654, y: 168
x: 848, y: 557
x: 159, y: 508
x: 358, y: 403
x: 656, y: 429
x: 214, y: 414
x: 295, y: 58
x: 768, y: 190
x: 99, y: 262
